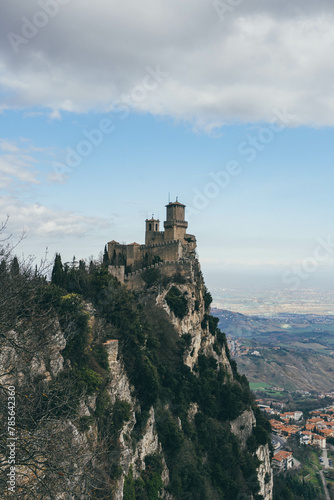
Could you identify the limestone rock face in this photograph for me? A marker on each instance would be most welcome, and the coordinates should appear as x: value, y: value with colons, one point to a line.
x: 202, y: 341
x: 265, y: 473
x: 23, y: 356
x: 127, y: 450
x: 119, y: 388
x: 192, y: 323
x: 242, y: 426
x: 119, y: 385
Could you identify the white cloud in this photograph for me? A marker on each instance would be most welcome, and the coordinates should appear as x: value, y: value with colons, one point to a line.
x: 40, y: 221
x: 11, y: 147
x: 16, y: 163
x: 262, y: 55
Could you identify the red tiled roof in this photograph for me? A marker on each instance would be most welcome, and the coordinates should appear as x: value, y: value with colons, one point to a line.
x: 282, y: 455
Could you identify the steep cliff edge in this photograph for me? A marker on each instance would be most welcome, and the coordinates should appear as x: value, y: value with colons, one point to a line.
x: 128, y: 393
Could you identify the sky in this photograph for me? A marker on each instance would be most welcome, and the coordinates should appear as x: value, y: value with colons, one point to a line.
x: 109, y: 109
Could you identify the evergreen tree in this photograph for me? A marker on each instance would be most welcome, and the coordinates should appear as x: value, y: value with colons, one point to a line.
x: 82, y: 266
x: 14, y: 267
x: 105, y: 261
x: 57, y: 276
x: 3, y: 268
x: 113, y: 258
x: 92, y: 267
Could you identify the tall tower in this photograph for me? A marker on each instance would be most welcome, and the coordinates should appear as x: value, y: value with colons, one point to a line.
x: 152, y: 228
x: 175, y: 225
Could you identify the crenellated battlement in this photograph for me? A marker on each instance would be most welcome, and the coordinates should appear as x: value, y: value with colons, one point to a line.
x: 170, y: 245
x: 161, y: 244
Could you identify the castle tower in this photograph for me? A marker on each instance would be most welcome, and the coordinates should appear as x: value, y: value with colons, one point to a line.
x: 175, y: 225
x: 152, y: 228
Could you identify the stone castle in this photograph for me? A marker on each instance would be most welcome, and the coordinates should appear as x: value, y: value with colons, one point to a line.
x: 172, y: 244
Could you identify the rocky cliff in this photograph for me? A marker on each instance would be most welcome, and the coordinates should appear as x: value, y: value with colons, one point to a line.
x: 127, y: 394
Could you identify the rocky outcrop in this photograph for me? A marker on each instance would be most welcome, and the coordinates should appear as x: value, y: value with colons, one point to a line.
x: 91, y: 458
x: 242, y: 427
x: 202, y: 341
x: 129, y: 455
x: 192, y: 323
x: 22, y: 355
x: 265, y: 473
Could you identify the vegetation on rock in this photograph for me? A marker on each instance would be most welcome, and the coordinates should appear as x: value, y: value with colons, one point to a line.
x: 88, y: 306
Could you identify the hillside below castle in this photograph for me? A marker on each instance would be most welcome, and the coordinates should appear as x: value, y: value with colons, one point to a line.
x: 127, y: 385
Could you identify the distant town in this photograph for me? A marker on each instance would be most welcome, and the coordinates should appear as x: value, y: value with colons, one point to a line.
x: 293, y: 426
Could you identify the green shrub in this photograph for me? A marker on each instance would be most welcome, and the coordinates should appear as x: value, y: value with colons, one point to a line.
x: 179, y: 279
x: 150, y: 483
x: 100, y: 354
x: 186, y: 338
x: 177, y: 302
x: 221, y: 338
x: 207, y: 298
x: 121, y: 412
x: 213, y: 323
x: 102, y: 403
x: 170, y: 435
x: 129, y: 486
x: 151, y: 277
x: 89, y: 378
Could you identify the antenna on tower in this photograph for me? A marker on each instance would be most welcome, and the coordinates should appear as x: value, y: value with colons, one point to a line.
x: 177, y: 198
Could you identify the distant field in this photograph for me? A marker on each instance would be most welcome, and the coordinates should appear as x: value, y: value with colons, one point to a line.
x: 255, y: 386
x: 306, y: 345
x: 274, y: 393
x: 258, y: 386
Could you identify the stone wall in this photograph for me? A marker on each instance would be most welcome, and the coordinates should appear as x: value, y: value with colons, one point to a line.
x: 137, y: 256
x: 170, y: 250
x: 116, y: 251
x: 152, y: 237
x: 118, y: 272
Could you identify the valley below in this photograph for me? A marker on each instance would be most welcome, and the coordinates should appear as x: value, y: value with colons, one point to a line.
x: 291, y: 352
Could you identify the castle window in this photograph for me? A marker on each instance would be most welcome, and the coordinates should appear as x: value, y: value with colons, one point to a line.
x: 150, y: 227
x: 156, y: 227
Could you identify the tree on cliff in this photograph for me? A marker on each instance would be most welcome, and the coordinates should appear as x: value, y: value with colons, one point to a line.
x: 105, y: 261
x: 51, y: 458
x: 14, y: 267
x: 57, y: 276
